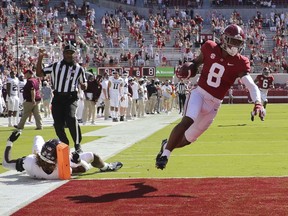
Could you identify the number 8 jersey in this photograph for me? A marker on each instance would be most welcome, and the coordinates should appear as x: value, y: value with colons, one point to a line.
x: 219, y: 73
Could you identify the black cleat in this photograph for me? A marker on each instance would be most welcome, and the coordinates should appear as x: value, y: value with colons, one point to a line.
x: 161, y: 162
x: 252, y: 116
x: 161, y: 149
x: 112, y: 167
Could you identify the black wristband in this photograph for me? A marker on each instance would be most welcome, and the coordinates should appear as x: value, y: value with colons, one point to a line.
x: 19, y: 164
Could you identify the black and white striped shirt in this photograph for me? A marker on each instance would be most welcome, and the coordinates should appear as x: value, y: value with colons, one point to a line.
x: 181, y: 88
x: 64, y: 77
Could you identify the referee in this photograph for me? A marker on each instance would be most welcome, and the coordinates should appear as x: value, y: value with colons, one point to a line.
x: 66, y: 76
x: 181, y: 90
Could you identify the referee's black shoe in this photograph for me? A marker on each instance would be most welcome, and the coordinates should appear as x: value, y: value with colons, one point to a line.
x: 78, y: 149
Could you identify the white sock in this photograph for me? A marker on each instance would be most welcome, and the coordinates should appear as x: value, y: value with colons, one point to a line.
x: 9, y: 120
x: 104, y: 167
x: 166, y: 153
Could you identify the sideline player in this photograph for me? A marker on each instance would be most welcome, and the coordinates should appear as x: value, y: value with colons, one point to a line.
x: 264, y: 81
x: 42, y: 163
x: 13, y: 98
x: 126, y: 96
x: 115, y: 92
x: 222, y: 65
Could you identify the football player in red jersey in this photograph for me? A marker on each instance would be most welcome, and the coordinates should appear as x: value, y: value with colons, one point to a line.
x: 264, y: 81
x: 222, y: 65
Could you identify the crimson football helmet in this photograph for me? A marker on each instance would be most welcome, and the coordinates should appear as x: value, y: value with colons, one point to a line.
x: 266, y: 72
x: 48, y: 152
x: 232, y: 39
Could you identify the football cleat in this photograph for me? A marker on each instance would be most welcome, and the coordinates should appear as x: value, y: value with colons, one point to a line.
x: 164, y: 142
x: 113, y: 167
x: 161, y: 162
x: 252, y: 116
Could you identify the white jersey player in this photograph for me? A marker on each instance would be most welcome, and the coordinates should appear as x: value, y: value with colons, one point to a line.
x: 124, y: 102
x: 115, y: 93
x: 42, y: 163
x: 2, y: 102
x: 22, y: 83
x: 13, y: 98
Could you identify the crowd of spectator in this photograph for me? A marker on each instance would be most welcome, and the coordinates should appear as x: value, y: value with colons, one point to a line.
x: 124, y: 37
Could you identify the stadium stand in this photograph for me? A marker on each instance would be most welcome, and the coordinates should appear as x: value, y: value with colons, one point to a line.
x: 128, y: 33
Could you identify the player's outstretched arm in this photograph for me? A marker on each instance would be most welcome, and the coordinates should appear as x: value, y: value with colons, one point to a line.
x: 8, y: 163
x: 255, y: 96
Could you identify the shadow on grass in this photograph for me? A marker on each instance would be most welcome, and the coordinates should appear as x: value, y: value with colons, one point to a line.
x: 140, y: 192
x: 235, y: 125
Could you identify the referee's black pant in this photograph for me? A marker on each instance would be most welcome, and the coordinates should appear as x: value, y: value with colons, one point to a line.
x: 64, y: 106
x: 182, y: 99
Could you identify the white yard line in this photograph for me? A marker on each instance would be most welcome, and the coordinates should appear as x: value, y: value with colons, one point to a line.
x: 18, y: 190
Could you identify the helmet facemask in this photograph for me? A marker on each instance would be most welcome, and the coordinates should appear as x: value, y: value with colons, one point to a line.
x: 232, y: 39
x: 266, y: 72
x: 232, y: 45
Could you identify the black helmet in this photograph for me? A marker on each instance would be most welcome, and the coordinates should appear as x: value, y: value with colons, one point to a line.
x: 48, y: 151
x: 70, y: 46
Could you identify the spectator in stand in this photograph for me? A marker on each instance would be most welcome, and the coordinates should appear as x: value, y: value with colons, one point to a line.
x: 32, y: 99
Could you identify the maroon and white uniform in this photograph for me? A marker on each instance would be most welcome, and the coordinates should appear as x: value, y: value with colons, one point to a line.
x: 217, y: 76
x: 264, y: 83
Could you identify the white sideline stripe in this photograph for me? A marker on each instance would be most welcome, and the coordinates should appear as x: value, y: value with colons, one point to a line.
x: 217, y: 155
x: 18, y: 190
x: 127, y: 157
x: 196, y: 177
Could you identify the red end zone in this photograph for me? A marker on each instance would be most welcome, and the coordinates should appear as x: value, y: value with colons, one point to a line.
x: 212, y: 196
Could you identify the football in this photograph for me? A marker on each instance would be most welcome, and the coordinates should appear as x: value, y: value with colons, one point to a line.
x: 186, y: 71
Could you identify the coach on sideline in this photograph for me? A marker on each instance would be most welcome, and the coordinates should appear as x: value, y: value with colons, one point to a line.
x: 66, y: 76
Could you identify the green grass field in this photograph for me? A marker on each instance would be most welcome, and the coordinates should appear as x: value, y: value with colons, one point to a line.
x: 233, y: 146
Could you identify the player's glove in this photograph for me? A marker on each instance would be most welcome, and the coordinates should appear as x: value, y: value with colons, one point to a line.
x: 14, y: 136
x: 75, y: 157
x: 259, y: 110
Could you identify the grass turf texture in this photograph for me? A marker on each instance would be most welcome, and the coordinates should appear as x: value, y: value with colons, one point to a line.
x: 232, y: 146
x: 23, y: 146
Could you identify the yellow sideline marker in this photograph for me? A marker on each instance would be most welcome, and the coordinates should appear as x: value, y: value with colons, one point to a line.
x: 63, y: 162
